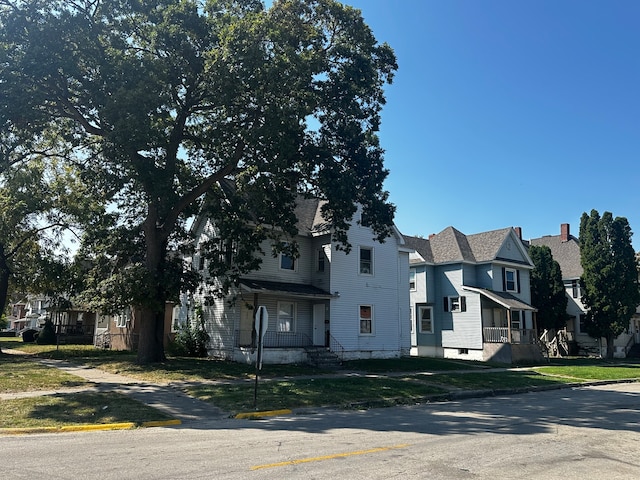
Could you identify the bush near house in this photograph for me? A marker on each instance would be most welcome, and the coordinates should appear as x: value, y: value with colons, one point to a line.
x: 47, y: 335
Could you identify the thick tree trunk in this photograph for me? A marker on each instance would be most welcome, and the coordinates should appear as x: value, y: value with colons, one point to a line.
x: 150, y: 341
x: 610, y: 348
x: 5, y: 273
x: 150, y: 317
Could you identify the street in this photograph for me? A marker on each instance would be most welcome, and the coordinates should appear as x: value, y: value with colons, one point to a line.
x: 570, y: 434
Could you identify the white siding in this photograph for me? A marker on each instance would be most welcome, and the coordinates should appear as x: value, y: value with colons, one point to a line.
x: 382, y: 290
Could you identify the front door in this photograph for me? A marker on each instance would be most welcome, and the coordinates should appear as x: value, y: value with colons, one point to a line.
x: 319, y: 316
x: 246, y: 326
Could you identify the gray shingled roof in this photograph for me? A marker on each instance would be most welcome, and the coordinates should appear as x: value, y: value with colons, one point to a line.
x: 451, y: 246
x: 296, y: 289
x: 420, y: 245
x: 486, y: 245
x: 307, y: 212
x: 567, y: 254
x: 502, y: 298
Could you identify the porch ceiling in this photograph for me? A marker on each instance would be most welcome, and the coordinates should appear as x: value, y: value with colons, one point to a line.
x: 283, y: 288
x: 503, y: 298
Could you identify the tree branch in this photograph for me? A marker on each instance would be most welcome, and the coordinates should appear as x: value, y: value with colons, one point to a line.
x: 188, y: 198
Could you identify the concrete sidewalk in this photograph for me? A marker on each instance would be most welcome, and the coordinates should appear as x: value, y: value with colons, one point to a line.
x: 164, y: 397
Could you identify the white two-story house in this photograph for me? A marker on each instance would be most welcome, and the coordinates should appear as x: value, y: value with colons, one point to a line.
x: 355, y: 305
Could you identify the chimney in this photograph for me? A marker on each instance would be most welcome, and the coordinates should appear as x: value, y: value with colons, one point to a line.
x: 518, y: 232
x: 564, y: 232
x: 431, y: 236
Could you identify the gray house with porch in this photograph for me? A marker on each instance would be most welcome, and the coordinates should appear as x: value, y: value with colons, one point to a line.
x: 470, y: 296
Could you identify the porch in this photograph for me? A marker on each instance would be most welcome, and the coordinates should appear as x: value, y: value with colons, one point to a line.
x: 508, y: 335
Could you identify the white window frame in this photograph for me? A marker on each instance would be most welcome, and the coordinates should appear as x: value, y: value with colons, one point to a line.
x: 413, y: 320
x: 362, y: 319
x: 513, y: 272
x: 286, y: 323
x: 516, y: 324
x: 362, y: 268
x: 122, y: 318
x: 412, y: 279
x: 294, y: 263
x: 454, y: 300
x: 321, y: 260
x: 422, y: 308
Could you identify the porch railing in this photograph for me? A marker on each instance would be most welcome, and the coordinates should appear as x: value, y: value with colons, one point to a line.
x: 274, y: 339
x: 501, y: 335
x: 336, y: 347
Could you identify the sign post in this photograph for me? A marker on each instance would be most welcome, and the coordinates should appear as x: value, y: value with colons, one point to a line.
x: 260, y: 326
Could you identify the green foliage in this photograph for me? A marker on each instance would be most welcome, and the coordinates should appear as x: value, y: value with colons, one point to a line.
x: 192, y: 339
x: 547, y: 289
x: 4, y: 323
x: 161, y: 102
x: 610, y: 276
x: 47, y: 335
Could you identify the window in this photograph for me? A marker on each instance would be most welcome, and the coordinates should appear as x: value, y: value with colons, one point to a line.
x: 510, y: 280
x: 412, y: 279
x: 455, y: 304
x: 426, y: 319
x: 411, y: 317
x: 286, y: 317
x: 516, y: 320
x: 581, y: 326
x: 365, y: 220
x: 366, y: 320
x: 366, y: 261
x: 320, y: 266
x: 575, y: 289
x: 201, y: 261
x: 123, y: 318
x: 287, y: 262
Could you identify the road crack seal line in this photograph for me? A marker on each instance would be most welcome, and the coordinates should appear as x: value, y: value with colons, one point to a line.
x: 329, y: 457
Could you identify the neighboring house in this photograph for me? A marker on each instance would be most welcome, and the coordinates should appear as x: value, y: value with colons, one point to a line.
x: 29, y: 313
x: 565, y: 249
x: 121, y: 331
x: 354, y: 305
x: 470, y: 296
x: 18, y: 317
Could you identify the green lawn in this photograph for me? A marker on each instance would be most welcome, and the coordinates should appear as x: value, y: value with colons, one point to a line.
x: 21, y: 374
x: 75, y: 409
x: 377, y: 382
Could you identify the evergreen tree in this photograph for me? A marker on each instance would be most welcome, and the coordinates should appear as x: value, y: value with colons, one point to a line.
x: 547, y: 289
x: 610, y: 277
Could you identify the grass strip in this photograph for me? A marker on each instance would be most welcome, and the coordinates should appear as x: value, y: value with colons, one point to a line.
x: 22, y: 374
x: 76, y: 409
x: 339, y: 392
x: 594, y: 372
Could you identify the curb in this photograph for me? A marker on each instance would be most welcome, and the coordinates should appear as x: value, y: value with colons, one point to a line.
x: 89, y: 428
x: 267, y: 413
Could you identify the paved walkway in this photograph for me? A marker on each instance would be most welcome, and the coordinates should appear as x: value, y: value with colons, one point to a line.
x: 170, y: 398
x: 164, y: 397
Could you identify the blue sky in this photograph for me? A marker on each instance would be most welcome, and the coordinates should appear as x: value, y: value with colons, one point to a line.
x: 510, y: 113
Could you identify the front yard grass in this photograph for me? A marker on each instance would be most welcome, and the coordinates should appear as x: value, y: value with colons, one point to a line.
x: 374, y: 383
x: 317, y: 392
x: 75, y: 409
x: 21, y: 374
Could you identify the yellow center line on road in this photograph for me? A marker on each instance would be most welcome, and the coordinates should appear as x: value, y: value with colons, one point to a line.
x: 329, y: 457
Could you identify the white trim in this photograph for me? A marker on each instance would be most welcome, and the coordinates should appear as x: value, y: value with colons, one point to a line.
x: 361, y: 319
x: 371, y: 269
x: 430, y: 309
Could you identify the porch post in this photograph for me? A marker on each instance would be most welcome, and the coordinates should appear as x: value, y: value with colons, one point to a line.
x: 509, y: 324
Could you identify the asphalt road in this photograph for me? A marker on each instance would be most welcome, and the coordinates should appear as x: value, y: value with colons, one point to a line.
x: 584, y: 433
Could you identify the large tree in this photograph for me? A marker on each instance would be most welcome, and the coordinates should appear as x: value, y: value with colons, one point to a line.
x: 610, y: 276
x: 162, y: 101
x: 547, y: 289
